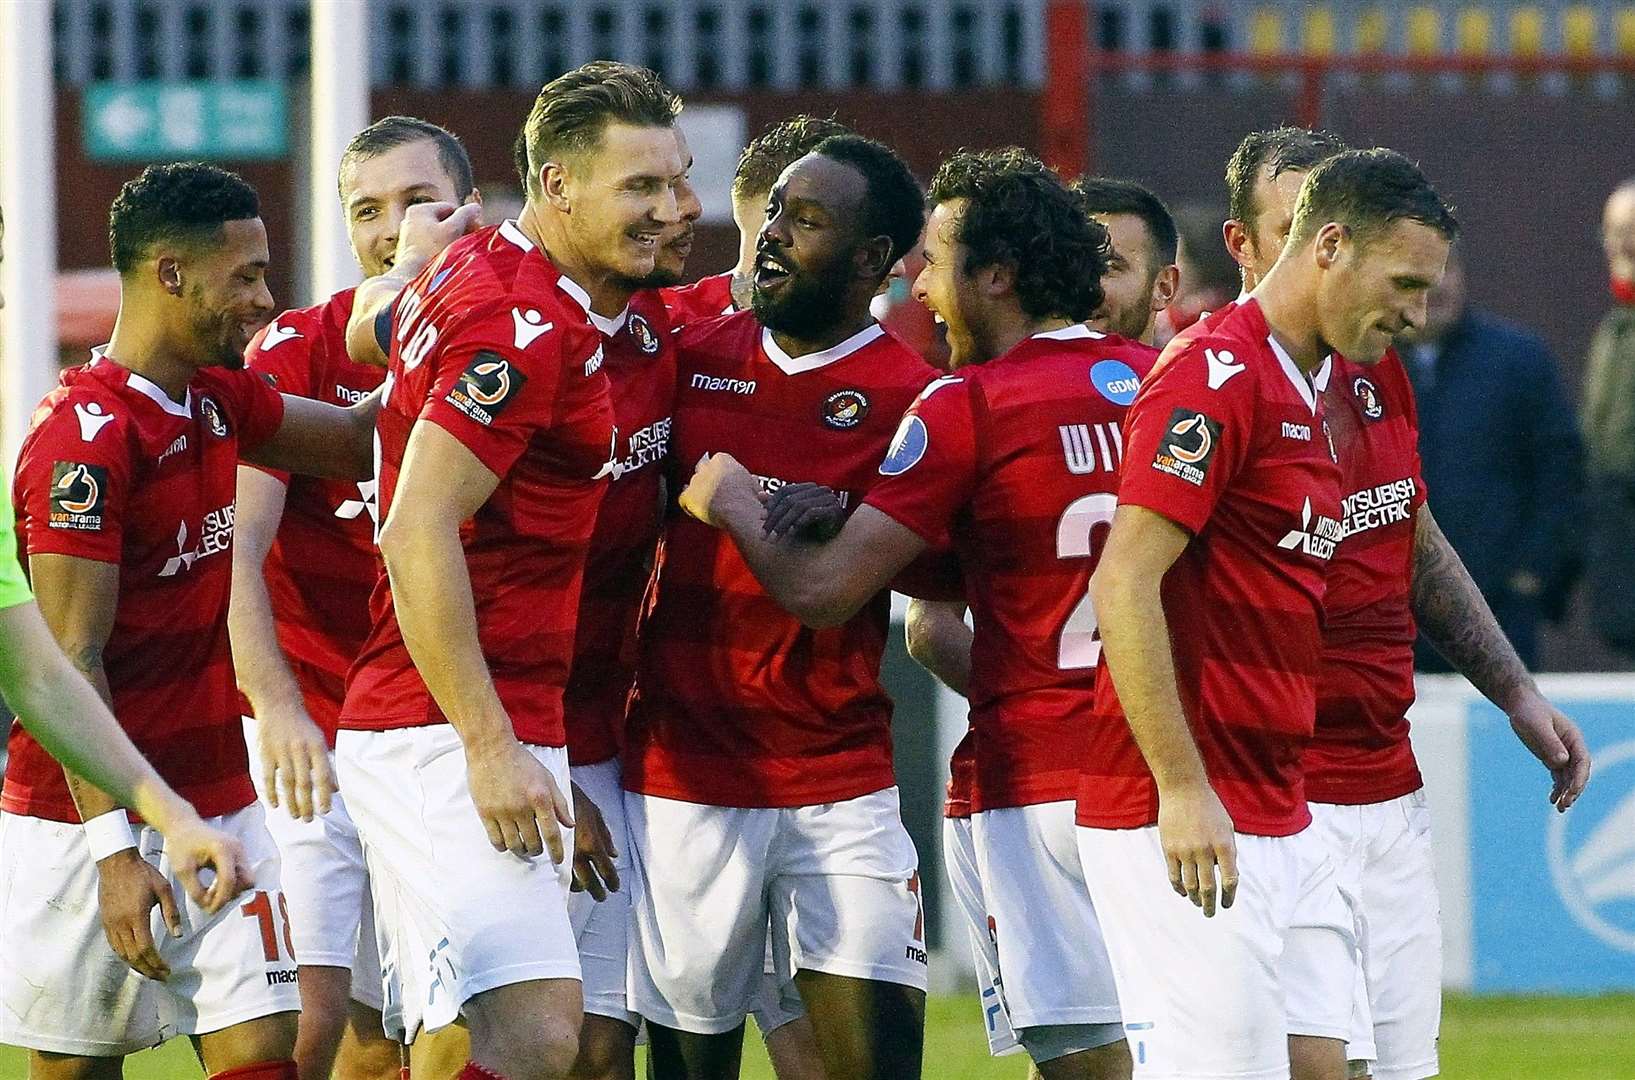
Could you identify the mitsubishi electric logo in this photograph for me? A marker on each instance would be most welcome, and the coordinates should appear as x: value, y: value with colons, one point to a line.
x: 1591, y: 849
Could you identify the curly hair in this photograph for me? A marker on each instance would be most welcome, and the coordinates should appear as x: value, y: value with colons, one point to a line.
x: 391, y: 132
x: 775, y: 149
x: 183, y: 202
x: 893, y: 205
x: 1367, y: 190
x: 573, y: 109
x: 1279, y: 150
x: 1018, y: 213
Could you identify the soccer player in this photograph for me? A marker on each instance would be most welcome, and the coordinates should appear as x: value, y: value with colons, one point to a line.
x: 1209, y: 598
x: 1393, y: 569
x: 494, y: 440
x: 758, y: 756
x: 1142, y: 277
x: 53, y: 700
x: 759, y: 166
x: 304, y: 566
x: 1013, y: 459
x: 124, y: 488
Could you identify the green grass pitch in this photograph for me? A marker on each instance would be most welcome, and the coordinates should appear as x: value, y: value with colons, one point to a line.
x: 1542, y: 1038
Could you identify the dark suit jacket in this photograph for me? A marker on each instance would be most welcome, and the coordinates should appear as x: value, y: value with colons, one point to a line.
x: 1503, y: 464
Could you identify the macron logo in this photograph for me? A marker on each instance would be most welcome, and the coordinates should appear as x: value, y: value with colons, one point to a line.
x: 530, y: 326
x: 92, y: 419
x: 277, y: 335
x: 1222, y: 366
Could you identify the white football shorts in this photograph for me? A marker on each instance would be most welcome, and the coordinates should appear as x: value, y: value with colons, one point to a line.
x: 1387, y: 872
x: 64, y: 990
x: 453, y: 916
x: 332, y: 922
x: 1202, y: 998
x: 839, y: 881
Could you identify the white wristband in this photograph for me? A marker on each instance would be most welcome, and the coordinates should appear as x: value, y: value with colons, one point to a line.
x: 108, y: 834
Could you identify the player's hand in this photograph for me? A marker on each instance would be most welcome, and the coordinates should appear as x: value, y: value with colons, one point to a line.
x: 716, y: 476
x: 1556, y: 741
x: 294, y: 762
x: 192, y: 847
x: 127, y: 888
x: 593, y: 849
x: 428, y: 228
x: 805, y: 511
x: 1196, y: 834
x: 518, y: 800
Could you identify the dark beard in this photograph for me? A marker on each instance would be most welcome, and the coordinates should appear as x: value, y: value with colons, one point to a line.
x: 810, y: 303
x: 215, y: 332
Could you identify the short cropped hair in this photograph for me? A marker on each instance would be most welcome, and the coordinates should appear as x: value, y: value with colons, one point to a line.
x: 184, y: 201
x: 1019, y: 213
x: 572, y: 110
x: 392, y: 132
x: 893, y: 204
x: 777, y: 148
x: 1367, y: 190
x: 1101, y: 195
x: 1280, y: 150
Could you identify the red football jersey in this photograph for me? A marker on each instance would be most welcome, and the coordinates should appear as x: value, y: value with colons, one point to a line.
x: 115, y: 471
x: 494, y: 346
x: 736, y: 702
x: 703, y: 299
x: 1360, y: 751
x: 1016, y: 463
x: 1226, y: 438
x: 961, y: 774
x: 321, y: 568
x: 640, y: 362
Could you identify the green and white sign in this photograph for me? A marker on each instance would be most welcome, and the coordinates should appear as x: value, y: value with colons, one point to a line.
x: 230, y: 120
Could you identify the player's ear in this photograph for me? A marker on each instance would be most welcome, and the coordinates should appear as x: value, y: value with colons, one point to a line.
x: 1165, y: 286
x: 476, y: 196
x: 553, y: 184
x: 169, y: 273
x: 874, y: 258
x: 1329, y: 238
x: 1236, y: 235
x: 996, y: 279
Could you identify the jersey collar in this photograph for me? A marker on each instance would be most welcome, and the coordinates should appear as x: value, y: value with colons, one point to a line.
x: 794, y: 365
x: 513, y: 233
x: 608, y: 326
x: 148, y: 388
x: 1072, y: 332
x: 1319, y: 378
x: 1296, y: 376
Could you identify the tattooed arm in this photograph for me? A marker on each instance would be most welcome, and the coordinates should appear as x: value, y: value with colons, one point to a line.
x: 1453, y: 614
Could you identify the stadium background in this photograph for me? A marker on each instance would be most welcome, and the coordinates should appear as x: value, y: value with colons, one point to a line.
x: 1523, y: 113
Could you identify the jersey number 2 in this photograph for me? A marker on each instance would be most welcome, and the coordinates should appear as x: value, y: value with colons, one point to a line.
x: 1080, y: 644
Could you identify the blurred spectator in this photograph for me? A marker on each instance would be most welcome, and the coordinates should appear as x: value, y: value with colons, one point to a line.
x: 1209, y: 277
x: 1502, y: 458
x: 1609, y: 436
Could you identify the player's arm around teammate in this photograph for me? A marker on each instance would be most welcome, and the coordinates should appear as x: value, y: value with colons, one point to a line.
x: 427, y: 229
x: 939, y: 640
x: 1455, y: 616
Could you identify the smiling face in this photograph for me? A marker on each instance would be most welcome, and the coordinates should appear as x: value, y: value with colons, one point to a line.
x: 376, y: 191
x: 223, y: 292
x: 1375, y: 287
x: 618, y: 198
x: 807, y: 250
x: 947, y: 291
x: 676, y: 242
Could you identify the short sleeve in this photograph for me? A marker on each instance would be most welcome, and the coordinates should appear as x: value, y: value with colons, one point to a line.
x: 1185, y: 439
x: 930, y: 469
x: 494, y: 396
x: 255, y: 407
x: 282, y: 354
x: 13, y: 585
x: 72, y: 493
